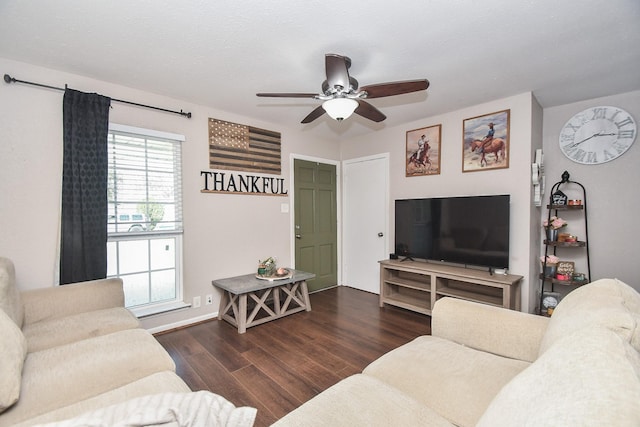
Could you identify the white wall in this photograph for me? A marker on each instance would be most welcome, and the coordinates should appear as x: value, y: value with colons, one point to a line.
x: 225, y: 235
x: 612, y: 193
x: 514, y: 180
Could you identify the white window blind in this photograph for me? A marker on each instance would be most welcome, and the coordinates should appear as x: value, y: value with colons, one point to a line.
x: 145, y: 182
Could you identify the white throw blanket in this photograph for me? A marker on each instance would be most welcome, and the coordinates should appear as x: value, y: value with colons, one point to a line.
x: 194, y: 409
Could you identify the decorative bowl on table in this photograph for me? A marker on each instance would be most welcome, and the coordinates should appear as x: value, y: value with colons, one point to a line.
x: 279, y: 274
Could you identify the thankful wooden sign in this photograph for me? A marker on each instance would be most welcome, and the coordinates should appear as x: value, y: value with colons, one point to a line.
x: 236, y: 183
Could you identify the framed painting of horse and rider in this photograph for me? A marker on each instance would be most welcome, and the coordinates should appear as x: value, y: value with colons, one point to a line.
x: 485, y: 142
x: 423, y: 151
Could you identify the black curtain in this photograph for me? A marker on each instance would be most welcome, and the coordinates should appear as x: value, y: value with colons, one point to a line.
x: 83, y: 246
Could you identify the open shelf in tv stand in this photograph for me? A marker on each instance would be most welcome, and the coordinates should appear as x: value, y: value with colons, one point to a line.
x: 416, y: 285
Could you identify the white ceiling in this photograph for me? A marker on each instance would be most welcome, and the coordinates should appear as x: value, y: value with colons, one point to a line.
x: 221, y: 53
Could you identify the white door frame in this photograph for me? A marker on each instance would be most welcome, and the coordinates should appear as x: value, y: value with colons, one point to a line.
x: 292, y: 216
x: 386, y: 192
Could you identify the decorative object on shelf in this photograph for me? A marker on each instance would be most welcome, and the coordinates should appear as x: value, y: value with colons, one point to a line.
x: 559, y: 198
x: 564, y: 273
x: 485, y: 142
x: 549, y: 302
x: 579, y: 277
x: 550, y: 270
x: 567, y: 238
x: 552, y: 225
x: 423, y: 151
x: 549, y: 265
x: 537, y: 177
x: 555, y: 222
x: 566, y: 268
x: 597, y: 135
x: 575, y: 202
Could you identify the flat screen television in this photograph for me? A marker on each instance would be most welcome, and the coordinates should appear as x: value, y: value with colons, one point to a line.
x: 472, y: 230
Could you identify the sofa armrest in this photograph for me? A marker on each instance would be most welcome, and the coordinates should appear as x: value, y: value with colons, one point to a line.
x: 74, y: 298
x: 496, y: 330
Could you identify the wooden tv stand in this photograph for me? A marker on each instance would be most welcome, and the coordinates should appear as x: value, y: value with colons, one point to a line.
x: 418, y: 285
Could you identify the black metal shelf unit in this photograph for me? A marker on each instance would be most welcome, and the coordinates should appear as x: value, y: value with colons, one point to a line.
x: 552, y: 246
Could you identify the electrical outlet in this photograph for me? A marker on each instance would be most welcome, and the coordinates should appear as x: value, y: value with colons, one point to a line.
x: 209, y: 299
x: 196, y: 302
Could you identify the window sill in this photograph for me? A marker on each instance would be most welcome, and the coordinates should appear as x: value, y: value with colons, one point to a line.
x: 148, y: 311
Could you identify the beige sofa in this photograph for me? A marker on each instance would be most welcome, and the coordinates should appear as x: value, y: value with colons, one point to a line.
x: 488, y: 366
x: 75, y: 351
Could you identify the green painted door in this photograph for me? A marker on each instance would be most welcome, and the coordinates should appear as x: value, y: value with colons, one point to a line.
x: 316, y: 231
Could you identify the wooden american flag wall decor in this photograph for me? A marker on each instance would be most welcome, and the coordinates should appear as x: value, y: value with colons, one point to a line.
x: 234, y: 146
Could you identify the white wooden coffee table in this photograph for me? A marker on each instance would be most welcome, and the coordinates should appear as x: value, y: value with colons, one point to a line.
x: 273, y: 298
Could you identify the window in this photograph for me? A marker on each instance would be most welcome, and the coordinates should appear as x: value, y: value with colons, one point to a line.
x: 144, y: 222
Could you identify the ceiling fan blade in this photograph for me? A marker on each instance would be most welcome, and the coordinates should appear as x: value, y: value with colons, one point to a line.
x: 368, y: 111
x: 337, y: 67
x: 288, y: 95
x: 313, y: 115
x: 395, y: 88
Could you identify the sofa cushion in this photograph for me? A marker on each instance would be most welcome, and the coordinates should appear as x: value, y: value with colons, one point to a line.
x: 457, y: 382
x: 66, y: 374
x: 362, y: 400
x: 64, y: 330
x: 10, y: 300
x: 606, y: 302
x: 61, y: 301
x: 160, y: 382
x: 588, y: 378
x: 201, y: 408
x: 488, y: 328
x: 13, y: 349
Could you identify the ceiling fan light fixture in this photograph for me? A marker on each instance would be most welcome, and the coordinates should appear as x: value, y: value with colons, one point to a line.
x: 342, y: 96
x: 340, y: 108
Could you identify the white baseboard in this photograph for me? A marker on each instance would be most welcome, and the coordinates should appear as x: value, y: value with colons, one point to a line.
x: 183, y: 323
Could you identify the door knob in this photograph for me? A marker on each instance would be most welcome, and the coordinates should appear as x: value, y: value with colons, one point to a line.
x: 298, y: 236
x: 380, y: 234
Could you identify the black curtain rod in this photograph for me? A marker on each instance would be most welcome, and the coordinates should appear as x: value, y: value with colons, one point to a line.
x: 9, y: 79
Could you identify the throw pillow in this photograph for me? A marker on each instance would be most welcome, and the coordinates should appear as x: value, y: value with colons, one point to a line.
x: 609, y: 303
x: 10, y: 300
x: 13, y: 350
x: 201, y: 408
x: 588, y: 378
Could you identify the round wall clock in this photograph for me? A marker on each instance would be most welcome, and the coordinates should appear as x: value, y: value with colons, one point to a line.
x: 597, y: 135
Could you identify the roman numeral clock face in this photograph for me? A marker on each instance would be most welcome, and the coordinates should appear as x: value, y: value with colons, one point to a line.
x: 597, y: 135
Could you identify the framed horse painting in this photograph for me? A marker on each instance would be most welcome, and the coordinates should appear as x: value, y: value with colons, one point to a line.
x: 423, y: 151
x: 485, y: 142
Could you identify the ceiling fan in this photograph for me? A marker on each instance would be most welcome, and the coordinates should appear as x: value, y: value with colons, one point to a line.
x: 341, y: 94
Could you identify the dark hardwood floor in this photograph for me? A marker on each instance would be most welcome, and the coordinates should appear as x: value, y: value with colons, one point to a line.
x: 277, y: 366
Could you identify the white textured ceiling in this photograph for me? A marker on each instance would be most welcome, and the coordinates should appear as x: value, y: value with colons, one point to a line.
x: 221, y: 53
